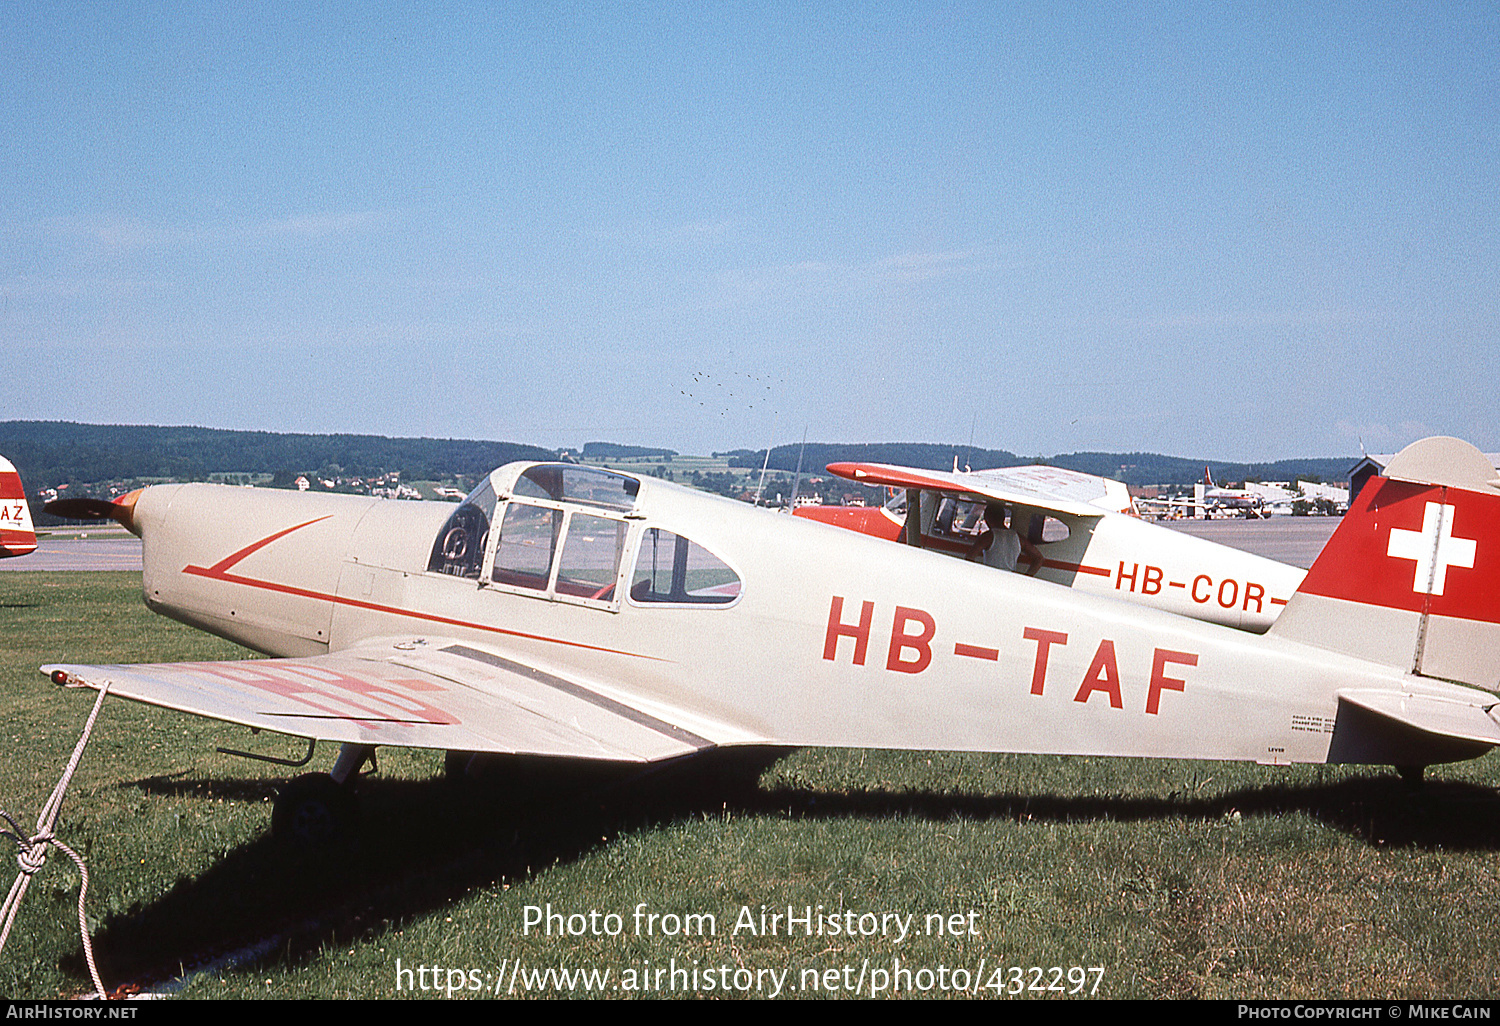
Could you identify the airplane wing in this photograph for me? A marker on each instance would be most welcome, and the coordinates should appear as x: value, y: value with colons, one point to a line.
x: 418, y: 693
x: 1050, y: 488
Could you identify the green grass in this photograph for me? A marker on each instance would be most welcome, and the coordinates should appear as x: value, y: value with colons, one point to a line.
x: 1180, y: 879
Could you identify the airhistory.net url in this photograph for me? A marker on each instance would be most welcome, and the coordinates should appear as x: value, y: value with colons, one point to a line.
x: 514, y: 978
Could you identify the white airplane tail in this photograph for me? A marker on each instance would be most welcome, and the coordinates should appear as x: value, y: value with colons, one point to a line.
x: 1409, y: 579
x: 17, y: 536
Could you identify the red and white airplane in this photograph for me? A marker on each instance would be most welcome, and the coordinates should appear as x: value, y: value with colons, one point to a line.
x: 1209, y: 500
x: 569, y: 611
x: 1082, y: 532
x: 17, y: 536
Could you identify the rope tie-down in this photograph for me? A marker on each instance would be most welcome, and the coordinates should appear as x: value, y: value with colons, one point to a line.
x: 32, y: 853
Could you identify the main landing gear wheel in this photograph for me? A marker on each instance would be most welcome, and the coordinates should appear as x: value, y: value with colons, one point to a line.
x: 314, y: 811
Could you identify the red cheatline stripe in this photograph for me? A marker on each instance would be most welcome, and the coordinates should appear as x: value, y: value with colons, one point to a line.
x: 286, y: 589
x: 218, y: 572
x: 230, y: 560
x: 1077, y: 568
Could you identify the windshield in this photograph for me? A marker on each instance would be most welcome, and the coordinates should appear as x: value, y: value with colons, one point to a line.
x: 565, y: 482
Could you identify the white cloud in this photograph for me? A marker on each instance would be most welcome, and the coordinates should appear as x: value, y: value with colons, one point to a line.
x: 106, y: 236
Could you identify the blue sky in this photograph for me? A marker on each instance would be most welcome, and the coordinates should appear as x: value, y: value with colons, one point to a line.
x: 1226, y: 231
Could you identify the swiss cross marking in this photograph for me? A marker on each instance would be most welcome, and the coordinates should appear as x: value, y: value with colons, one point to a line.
x: 1433, y: 548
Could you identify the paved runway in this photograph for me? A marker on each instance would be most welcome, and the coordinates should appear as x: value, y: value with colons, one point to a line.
x: 115, y: 550
x: 1294, y: 540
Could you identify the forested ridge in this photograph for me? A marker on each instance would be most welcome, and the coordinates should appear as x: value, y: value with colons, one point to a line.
x: 53, y: 453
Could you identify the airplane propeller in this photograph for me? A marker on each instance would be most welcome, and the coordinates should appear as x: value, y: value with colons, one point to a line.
x: 121, y: 511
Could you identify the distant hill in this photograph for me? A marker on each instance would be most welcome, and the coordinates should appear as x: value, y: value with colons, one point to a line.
x: 51, y: 453
x: 1136, y: 468
x: 905, y: 454
x: 611, y: 451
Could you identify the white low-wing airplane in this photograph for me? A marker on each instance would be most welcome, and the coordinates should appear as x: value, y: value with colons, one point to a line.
x: 1209, y: 500
x: 17, y: 536
x: 1083, y: 532
x: 569, y: 611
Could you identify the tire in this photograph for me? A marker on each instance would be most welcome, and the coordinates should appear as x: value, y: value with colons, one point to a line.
x: 312, y: 811
x: 456, y: 766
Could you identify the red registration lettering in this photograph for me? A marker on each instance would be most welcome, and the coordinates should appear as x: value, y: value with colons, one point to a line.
x: 1151, y: 582
x: 1234, y: 592
x: 1103, y: 675
x: 900, y: 640
x: 1207, y: 594
x: 860, y: 632
x: 1160, y: 681
x: 1044, y: 641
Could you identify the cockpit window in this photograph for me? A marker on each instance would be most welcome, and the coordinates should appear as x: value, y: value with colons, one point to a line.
x: 528, y: 538
x: 670, y: 568
x: 565, y: 482
x: 590, y: 559
x: 1045, y: 530
x: 459, y: 548
x: 959, y: 519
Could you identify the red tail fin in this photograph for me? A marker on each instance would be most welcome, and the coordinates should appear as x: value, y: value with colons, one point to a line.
x: 1409, y: 578
x: 17, y: 537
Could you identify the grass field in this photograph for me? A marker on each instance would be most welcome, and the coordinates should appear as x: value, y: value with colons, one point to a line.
x: 1176, y: 879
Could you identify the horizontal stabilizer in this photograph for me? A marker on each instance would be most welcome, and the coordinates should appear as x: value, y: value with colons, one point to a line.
x: 1462, y: 721
x: 1406, y: 729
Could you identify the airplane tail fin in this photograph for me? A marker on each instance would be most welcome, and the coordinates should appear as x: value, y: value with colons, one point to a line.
x: 1409, y: 578
x: 1208, y: 478
x: 17, y: 536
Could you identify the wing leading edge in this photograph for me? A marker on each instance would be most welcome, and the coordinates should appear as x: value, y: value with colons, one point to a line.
x: 1048, y: 488
x: 425, y: 693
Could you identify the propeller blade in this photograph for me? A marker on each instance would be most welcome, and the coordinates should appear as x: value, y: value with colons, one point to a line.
x: 121, y: 511
x: 81, y: 509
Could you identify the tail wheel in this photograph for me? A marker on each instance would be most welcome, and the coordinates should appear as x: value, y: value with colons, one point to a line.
x: 314, y: 811
x: 456, y: 766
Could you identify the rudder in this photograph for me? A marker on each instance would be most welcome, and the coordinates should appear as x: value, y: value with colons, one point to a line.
x: 1409, y: 577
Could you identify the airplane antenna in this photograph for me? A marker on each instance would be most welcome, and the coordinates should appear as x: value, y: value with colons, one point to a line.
x: 973, y: 423
x: 765, y: 463
x: 797, y: 481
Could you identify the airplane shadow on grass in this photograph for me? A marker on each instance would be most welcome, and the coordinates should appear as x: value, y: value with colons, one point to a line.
x: 421, y: 845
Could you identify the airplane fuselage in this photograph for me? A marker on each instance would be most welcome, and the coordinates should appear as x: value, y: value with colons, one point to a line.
x: 825, y: 637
